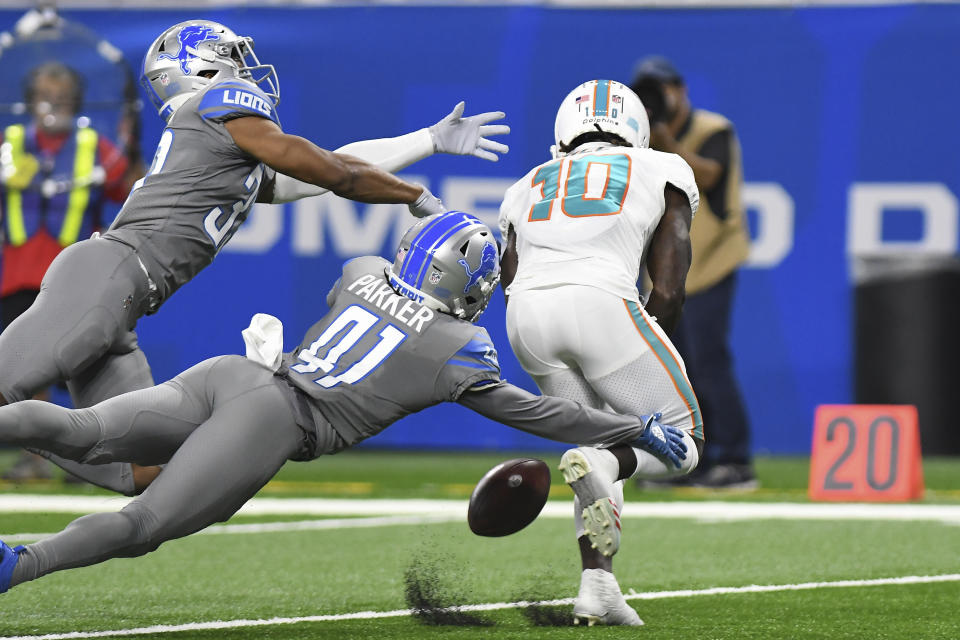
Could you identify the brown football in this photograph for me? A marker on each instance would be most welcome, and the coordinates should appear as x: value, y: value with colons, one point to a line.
x: 509, y: 497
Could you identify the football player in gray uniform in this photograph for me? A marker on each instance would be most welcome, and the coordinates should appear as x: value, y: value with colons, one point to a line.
x: 222, y: 150
x: 397, y: 338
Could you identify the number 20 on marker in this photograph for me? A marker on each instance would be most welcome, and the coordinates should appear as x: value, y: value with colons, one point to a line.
x: 866, y: 453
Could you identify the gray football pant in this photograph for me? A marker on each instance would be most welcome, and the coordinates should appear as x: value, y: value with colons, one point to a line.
x: 223, y: 427
x: 80, y: 329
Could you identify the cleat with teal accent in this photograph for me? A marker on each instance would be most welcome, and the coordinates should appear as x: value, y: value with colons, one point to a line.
x: 8, y: 561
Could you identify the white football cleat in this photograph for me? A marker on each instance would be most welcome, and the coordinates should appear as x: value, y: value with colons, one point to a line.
x: 601, y: 602
x: 592, y: 477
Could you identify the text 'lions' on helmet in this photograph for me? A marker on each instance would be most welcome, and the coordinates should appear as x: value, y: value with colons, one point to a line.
x: 190, y: 55
x: 601, y: 106
x: 448, y: 262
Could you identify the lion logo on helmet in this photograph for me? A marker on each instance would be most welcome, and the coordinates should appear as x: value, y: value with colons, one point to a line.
x: 488, y: 262
x: 190, y: 38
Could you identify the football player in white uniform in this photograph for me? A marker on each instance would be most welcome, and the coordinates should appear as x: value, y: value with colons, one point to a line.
x: 578, y: 229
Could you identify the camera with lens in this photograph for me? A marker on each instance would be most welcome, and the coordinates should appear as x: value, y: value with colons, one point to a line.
x: 650, y: 92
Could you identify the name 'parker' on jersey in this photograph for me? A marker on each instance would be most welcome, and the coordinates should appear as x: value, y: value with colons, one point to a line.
x: 380, y: 294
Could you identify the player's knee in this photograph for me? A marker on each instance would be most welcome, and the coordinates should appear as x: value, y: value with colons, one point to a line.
x: 141, y: 528
x: 30, y: 421
x: 690, y: 463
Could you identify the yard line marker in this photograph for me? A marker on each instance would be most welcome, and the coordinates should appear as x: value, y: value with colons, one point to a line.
x: 491, y: 606
x: 710, y: 511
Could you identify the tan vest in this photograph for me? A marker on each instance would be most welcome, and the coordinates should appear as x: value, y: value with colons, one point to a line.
x: 719, y: 245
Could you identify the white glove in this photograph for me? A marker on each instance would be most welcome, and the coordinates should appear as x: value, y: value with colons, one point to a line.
x: 264, y: 340
x: 427, y: 205
x: 467, y: 136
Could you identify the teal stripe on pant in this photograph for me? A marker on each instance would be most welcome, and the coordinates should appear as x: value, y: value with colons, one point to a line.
x: 670, y: 362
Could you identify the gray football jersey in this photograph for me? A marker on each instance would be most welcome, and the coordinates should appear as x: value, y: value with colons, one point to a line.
x: 376, y: 356
x: 199, y: 188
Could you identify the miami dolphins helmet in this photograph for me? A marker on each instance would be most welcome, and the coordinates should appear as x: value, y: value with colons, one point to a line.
x: 190, y: 55
x: 448, y: 262
x: 601, y: 106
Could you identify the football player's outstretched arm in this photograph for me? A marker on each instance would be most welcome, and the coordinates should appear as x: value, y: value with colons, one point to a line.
x: 567, y: 421
x: 454, y: 134
x: 668, y: 259
x: 344, y: 175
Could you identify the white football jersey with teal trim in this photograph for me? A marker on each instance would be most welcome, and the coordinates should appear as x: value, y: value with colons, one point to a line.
x: 588, y: 217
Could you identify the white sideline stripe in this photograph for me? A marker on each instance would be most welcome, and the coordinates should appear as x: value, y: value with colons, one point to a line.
x: 712, y: 511
x: 274, y: 527
x: 492, y: 606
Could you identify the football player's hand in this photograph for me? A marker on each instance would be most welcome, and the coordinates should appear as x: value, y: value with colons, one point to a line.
x: 662, y: 440
x: 427, y: 205
x: 468, y: 136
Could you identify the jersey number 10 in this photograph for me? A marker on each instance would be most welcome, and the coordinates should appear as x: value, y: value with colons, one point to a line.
x: 595, y: 186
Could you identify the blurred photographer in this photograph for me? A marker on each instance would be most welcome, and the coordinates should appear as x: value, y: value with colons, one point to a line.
x: 55, y: 173
x: 720, y: 244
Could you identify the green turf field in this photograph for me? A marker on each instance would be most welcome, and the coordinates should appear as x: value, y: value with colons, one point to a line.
x: 342, y: 572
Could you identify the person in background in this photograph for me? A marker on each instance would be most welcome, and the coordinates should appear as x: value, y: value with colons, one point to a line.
x: 720, y: 244
x: 55, y: 174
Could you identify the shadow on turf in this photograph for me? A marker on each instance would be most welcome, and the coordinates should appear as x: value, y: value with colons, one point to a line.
x: 547, y: 616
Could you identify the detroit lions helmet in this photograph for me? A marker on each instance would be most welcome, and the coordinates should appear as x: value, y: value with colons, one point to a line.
x: 190, y: 55
x: 448, y: 262
x: 601, y: 105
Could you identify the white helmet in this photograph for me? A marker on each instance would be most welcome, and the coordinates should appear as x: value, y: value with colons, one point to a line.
x: 601, y: 106
x: 190, y: 55
x: 448, y: 262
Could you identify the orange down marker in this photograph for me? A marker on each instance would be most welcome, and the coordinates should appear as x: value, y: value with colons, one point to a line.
x: 866, y: 453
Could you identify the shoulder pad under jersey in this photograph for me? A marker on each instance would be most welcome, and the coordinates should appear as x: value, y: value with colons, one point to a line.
x: 235, y: 98
x: 678, y: 173
x: 480, y: 354
x: 667, y: 168
x: 512, y: 200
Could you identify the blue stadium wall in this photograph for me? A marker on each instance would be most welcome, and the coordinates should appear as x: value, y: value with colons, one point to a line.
x: 834, y: 108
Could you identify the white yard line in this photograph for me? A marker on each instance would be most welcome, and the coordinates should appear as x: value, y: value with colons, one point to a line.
x: 707, y: 510
x: 492, y: 606
x: 274, y: 527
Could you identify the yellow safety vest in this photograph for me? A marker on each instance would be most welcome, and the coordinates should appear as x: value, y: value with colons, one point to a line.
x: 84, y: 161
x: 719, y: 244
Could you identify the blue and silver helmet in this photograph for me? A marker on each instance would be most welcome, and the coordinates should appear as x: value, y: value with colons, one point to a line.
x: 190, y: 55
x: 448, y: 262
